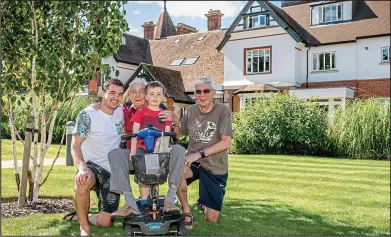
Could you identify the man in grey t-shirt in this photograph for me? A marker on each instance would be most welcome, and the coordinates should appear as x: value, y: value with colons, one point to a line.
x: 209, y: 126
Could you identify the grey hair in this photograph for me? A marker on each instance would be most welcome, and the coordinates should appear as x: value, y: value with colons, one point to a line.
x: 207, y: 80
x: 138, y: 80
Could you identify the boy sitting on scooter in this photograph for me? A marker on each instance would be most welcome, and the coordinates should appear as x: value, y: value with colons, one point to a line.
x: 148, y: 115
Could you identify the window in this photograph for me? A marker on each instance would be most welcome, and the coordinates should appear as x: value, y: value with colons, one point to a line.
x: 201, y: 37
x: 123, y: 40
x: 256, y: 21
x: 177, y: 61
x: 102, y: 80
x: 385, y: 54
x: 324, y: 61
x: 177, y: 41
x: 258, y: 60
x: 325, y: 14
x: 190, y: 60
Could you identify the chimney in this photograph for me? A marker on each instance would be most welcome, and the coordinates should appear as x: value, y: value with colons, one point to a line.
x: 149, y: 28
x: 214, y: 19
x: 182, y: 29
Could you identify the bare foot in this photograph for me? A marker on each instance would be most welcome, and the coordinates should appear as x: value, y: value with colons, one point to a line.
x: 84, y: 231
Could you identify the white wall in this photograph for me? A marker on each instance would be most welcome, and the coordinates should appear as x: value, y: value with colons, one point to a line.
x: 125, y: 70
x: 369, y: 65
x: 283, y: 57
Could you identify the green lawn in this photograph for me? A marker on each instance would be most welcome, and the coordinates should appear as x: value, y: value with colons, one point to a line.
x: 6, y: 150
x: 266, y: 195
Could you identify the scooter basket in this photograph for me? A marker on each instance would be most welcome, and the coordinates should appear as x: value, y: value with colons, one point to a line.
x: 142, y: 173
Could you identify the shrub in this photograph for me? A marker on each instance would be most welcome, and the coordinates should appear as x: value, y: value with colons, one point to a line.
x: 280, y: 124
x: 362, y: 130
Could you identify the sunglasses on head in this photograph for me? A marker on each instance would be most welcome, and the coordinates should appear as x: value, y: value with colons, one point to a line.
x: 206, y: 91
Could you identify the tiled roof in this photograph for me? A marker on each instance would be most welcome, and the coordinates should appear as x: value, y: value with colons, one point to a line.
x: 136, y: 51
x: 164, y: 26
x: 172, y: 80
x: 210, y: 61
x: 370, y: 18
x: 288, y: 3
x: 257, y: 87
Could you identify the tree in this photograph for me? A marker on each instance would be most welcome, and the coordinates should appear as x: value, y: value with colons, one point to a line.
x: 50, y: 49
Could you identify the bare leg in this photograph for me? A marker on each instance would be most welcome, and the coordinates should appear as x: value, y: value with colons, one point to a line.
x: 182, y: 191
x: 211, y: 215
x: 82, y: 203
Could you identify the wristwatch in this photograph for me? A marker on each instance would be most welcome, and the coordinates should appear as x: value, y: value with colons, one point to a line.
x: 202, y: 152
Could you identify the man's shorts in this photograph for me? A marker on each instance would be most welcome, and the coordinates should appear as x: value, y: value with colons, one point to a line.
x: 108, y: 201
x: 212, y: 187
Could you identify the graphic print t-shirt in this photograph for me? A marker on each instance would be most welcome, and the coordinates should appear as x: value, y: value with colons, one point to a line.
x: 102, y: 133
x: 205, y: 130
x: 146, y: 117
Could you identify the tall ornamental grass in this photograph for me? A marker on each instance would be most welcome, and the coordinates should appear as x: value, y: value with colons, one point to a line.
x: 362, y: 129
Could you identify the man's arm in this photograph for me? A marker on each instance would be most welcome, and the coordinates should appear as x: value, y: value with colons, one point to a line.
x: 222, y: 145
x: 77, y: 155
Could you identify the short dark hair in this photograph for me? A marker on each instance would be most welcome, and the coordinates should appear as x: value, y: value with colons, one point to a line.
x: 116, y: 82
x: 154, y: 84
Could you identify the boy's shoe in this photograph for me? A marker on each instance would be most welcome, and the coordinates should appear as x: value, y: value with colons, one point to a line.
x: 125, y: 211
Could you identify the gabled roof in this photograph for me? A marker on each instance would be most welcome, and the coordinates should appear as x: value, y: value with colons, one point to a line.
x: 136, y: 51
x: 164, y: 26
x: 274, y: 11
x: 370, y: 18
x: 210, y: 62
x: 257, y: 88
x: 171, y: 79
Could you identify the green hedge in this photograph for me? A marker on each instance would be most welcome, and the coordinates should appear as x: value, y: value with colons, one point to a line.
x: 64, y: 112
x: 283, y: 124
x: 280, y: 124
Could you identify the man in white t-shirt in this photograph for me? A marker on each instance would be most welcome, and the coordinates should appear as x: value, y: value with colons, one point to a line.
x: 97, y: 132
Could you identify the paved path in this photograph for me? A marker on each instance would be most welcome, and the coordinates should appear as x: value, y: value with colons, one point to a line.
x: 47, y: 162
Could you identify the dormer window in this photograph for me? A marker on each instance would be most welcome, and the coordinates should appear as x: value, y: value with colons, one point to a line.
x: 123, y: 40
x: 177, y: 61
x: 327, y: 13
x: 256, y: 21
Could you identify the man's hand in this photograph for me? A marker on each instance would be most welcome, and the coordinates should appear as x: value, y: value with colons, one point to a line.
x: 95, y: 105
x: 82, y: 176
x: 167, y: 115
x: 192, y: 158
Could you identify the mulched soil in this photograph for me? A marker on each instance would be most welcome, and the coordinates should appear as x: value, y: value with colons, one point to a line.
x: 10, y: 209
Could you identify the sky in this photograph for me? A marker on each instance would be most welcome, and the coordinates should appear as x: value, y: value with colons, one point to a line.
x: 188, y: 12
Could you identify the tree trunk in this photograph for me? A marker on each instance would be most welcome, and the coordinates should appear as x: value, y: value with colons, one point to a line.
x: 13, y: 137
x: 26, y: 159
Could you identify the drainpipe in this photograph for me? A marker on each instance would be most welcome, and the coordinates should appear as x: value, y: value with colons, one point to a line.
x: 306, y: 79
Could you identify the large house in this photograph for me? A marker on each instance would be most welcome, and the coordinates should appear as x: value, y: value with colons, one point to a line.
x: 332, y: 50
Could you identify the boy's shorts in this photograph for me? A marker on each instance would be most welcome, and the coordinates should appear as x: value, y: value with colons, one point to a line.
x: 212, y: 187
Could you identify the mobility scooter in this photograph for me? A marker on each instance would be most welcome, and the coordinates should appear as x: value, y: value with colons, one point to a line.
x: 153, y: 170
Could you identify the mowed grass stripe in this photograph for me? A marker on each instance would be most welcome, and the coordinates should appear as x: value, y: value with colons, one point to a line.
x: 311, y: 160
x: 299, y: 181
x: 386, y: 166
x: 380, y: 179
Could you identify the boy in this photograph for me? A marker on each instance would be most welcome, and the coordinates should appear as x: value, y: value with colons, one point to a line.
x: 148, y: 115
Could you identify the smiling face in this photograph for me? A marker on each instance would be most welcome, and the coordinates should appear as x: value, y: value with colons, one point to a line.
x: 154, y: 96
x: 137, y: 95
x: 204, y: 94
x: 112, y: 97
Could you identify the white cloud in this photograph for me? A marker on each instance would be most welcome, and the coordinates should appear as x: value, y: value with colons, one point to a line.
x: 136, y: 12
x: 198, y: 9
x: 135, y: 31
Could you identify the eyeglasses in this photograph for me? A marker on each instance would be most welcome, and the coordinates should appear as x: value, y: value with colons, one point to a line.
x: 206, y: 91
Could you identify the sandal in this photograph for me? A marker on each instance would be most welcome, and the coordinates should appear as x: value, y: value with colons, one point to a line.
x: 189, y: 224
x: 70, y: 217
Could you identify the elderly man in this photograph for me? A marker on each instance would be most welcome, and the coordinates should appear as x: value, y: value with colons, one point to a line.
x: 96, y: 133
x: 209, y: 126
x: 121, y: 165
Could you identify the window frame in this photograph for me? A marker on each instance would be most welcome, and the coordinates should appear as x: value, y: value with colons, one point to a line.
x: 123, y: 41
x: 177, y: 41
x: 324, y: 61
x: 381, y: 55
x: 323, y: 12
x: 191, y: 57
x: 171, y: 64
x: 259, y: 21
x: 245, y: 60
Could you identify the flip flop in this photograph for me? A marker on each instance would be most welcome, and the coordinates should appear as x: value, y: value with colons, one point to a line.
x: 70, y: 216
x: 189, y: 224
